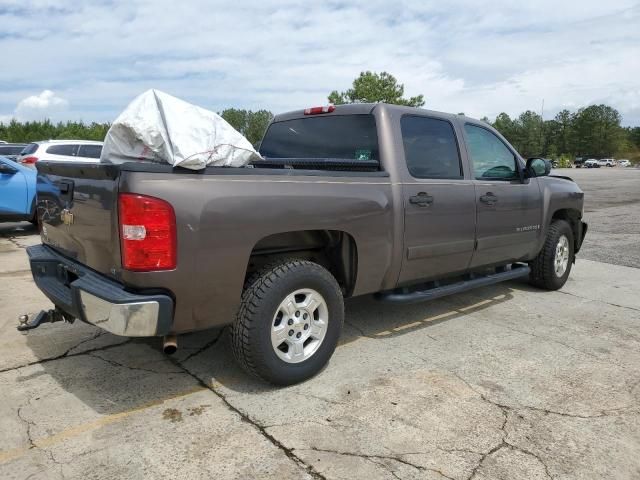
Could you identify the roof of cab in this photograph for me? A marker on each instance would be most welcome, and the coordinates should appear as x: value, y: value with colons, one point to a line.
x: 368, y: 108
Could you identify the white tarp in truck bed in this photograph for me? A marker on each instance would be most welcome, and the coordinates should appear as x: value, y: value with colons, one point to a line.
x: 158, y: 127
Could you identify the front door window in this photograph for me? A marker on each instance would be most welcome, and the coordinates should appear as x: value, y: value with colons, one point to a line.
x: 491, y: 158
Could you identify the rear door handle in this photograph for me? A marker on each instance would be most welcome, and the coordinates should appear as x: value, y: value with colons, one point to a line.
x: 489, y: 198
x: 422, y: 199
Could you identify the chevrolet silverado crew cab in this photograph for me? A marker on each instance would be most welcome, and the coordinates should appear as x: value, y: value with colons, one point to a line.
x: 404, y: 203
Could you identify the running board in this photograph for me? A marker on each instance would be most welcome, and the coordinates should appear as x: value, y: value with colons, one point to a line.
x: 398, y: 296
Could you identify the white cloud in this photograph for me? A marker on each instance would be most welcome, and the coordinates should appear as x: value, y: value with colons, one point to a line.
x: 463, y: 55
x: 37, y: 107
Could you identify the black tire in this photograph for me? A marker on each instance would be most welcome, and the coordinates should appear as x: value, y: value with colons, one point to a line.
x: 251, y: 331
x: 543, y: 274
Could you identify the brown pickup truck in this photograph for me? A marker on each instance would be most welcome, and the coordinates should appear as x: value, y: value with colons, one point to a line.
x: 404, y: 203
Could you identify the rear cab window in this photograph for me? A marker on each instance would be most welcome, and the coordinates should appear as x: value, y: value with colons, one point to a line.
x: 345, y: 137
x: 430, y: 148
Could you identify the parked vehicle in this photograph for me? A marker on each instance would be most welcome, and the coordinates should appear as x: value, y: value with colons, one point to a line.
x: 17, y: 192
x: 607, y: 162
x: 624, y: 163
x: 406, y: 203
x: 61, y: 151
x: 11, y: 150
x: 579, y: 162
x: 591, y: 163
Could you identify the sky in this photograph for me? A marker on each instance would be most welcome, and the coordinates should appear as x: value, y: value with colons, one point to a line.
x: 71, y: 60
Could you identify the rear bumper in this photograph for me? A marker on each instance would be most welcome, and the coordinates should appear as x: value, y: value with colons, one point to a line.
x: 96, y: 299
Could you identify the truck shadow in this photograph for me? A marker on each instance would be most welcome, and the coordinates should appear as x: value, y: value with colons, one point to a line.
x: 137, y: 373
x: 367, y: 317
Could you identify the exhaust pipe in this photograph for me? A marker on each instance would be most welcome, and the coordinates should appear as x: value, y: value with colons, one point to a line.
x: 170, y: 344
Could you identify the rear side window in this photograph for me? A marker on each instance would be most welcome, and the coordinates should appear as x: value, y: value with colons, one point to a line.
x: 29, y: 149
x: 350, y: 137
x: 430, y: 147
x: 68, y: 150
x: 90, y: 151
x: 11, y: 149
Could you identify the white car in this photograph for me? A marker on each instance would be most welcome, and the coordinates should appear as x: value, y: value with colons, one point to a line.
x: 61, y: 150
x: 607, y: 162
x: 592, y: 163
x: 624, y: 163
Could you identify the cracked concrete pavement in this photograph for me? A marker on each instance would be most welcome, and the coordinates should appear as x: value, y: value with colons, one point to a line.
x: 504, y: 382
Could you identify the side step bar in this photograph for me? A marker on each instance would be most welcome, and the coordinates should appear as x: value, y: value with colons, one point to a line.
x: 399, y: 296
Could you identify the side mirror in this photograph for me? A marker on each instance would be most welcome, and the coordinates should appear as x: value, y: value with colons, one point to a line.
x: 538, y: 167
x: 7, y: 169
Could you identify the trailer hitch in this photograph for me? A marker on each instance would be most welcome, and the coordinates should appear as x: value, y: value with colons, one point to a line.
x: 49, y: 316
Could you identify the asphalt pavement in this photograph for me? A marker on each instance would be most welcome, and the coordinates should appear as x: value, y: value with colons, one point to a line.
x: 504, y: 382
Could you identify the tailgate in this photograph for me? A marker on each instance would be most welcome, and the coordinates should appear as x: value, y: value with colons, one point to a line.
x: 77, y: 207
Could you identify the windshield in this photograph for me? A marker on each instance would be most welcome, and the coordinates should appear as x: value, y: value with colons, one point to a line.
x: 351, y: 137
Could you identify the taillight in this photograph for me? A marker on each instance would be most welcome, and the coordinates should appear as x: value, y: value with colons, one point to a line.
x: 319, y: 110
x: 29, y: 160
x: 147, y: 233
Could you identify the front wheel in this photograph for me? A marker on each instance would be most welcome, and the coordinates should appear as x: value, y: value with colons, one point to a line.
x: 289, y: 322
x: 551, y: 268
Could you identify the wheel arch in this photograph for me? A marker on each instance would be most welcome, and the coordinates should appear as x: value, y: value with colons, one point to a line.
x: 573, y: 217
x: 336, y: 250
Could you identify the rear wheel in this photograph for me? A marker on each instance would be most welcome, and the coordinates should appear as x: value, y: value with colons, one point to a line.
x: 289, y: 322
x: 551, y: 268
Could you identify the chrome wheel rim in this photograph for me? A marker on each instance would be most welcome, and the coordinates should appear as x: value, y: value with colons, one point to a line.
x: 561, y: 259
x: 299, y: 325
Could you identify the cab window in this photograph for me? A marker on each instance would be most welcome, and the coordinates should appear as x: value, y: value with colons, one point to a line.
x: 491, y: 158
x: 351, y: 137
x: 430, y: 147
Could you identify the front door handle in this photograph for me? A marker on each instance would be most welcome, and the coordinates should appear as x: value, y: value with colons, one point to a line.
x: 422, y: 199
x: 489, y: 198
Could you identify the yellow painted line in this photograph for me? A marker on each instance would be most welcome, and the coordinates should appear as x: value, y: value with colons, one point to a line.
x: 475, y: 305
x: 410, y: 325
x: 417, y: 323
x: 8, y: 455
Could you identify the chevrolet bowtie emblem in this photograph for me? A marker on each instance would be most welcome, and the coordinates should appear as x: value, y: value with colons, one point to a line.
x: 66, y: 216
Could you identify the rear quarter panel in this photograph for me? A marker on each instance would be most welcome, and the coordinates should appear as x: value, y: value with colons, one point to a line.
x: 220, y: 218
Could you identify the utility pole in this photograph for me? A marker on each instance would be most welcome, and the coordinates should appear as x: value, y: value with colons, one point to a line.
x: 542, y: 128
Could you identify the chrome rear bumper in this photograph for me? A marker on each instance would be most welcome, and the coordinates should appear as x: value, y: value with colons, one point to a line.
x: 93, y: 298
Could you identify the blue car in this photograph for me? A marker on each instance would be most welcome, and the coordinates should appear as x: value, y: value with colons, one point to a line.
x: 17, y: 192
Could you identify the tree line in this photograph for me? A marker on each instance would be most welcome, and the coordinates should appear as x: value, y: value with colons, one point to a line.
x: 251, y: 124
x: 594, y: 131
x: 25, y: 132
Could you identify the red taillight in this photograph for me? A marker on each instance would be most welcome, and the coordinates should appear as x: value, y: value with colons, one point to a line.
x: 29, y: 160
x: 147, y: 233
x: 319, y: 110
